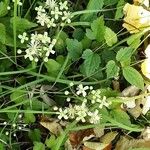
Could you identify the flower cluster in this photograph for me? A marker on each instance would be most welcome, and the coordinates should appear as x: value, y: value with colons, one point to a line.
x: 52, y: 13
x: 14, y: 126
x: 18, y: 2
x: 40, y: 46
x: 82, y: 112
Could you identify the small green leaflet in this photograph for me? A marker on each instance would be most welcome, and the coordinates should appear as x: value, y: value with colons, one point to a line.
x: 124, y: 54
x: 119, y: 11
x: 112, y: 70
x: 74, y: 48
x: 110, y: 37
x: 91, y: 62
x: 133, y: 77
x: 98, y: 29
x: 38, y: 146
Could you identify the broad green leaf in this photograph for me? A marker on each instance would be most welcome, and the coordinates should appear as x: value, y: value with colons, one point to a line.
x: 98, y: 29
x: 52, y: 66
x: 22, y: 24
x: 121, y: 116
x: 35, y: 135
x: 93, y: 5
x: 29, y: 118
x: 110, y: 2
x: 90, y: 34
x: 135, y: 39
x: 18, y: 96
x: 3, y: 7
x: 91, y: 62
x: 119, y: 12
x: 74, y: 48
x: 38, y: 146
x: 2, y: 33
x: 110, y: 37
x: 50, y: 142
x: 112, y: 70
x: 124, y: 54
x: 133, y: 77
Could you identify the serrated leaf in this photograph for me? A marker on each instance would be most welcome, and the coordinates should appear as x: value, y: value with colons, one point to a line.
x: 112, y: 70
x: 3, y: 7
x: 98, y: 28
x: 119, y: 12
x: 2, y: 33
x: 74, y: 48
x: 124, y: 54
x: 121, y: 116
x: 22, y: 24
x: 91, y: 62
x: 38, y: 146
x: 110, y: 37
x: 133, y: 77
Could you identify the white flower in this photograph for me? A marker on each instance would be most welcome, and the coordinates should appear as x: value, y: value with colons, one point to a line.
x: 66, y: 17
x: 56, y: 13
x: 42, y: 18
x: 50, y: 23
x: 14, y: 125
x: 14, y: 135
x: 44, y: 38
x: 23, y: 37
x: 82, y: 90
x: 46, y: 59
x: 146, y: 106
x: 6, y: 133
x: 68, y: 99
x: 71, y: 111
x: 147, y: 51
x: 55, y: 108
x: 5, y: 123
x: 18, y: 2
x: 40, y: 9
x: 130, y: 103
x: 66, y: 92
x: 96, y: 97
x: 71, y: 84
x: 8, y: 7
x: 19, y: 51
x: 104, y: 102
x: 81, y: 112
x: 62, y: 114
x: 50, y: 4
x: 94, y: 117
x: 63, y: 5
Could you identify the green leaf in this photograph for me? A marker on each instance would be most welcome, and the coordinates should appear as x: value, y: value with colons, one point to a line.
x: 133, y: 77
x: 124, y: 54
x: 93, y: 5
x: 90, y: 34
x: 110, y: 2
x: 134, y: 40
x: 74, y: 48
x: 112, y: 70
x: 119, y: 12
x: 121, y: 116
x: 3, y: 7
x: 38, y: 146
x: 110, y: 37
x: 51, y: 141
x: 53, y: 67
x: 91, y: 62
x: 18, y: 96
x: 22, y: 24
x: 2, y: 33
x: 35, y: 135
x: 29, y: 118
x: 98, y: 28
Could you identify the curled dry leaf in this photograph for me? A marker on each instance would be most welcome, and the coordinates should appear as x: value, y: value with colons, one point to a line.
x: 126, y: 143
